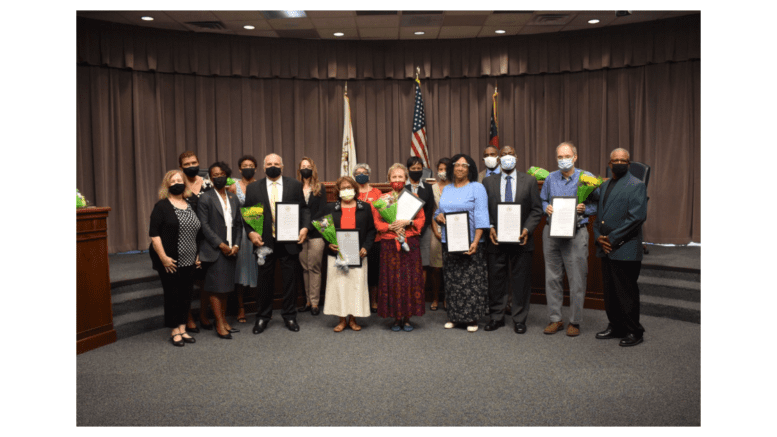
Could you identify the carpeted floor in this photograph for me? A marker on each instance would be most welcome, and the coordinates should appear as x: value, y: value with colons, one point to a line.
x: 376, y: 377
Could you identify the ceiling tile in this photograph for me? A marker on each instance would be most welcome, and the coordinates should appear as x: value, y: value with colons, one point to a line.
x: 111, y: 16
x: 464, y: 20
x: 256, y: 32
x: 507, y: 19
x: 334, y: 22
x: 430, y: 32
x: 669, y: 14
x: 604, y: 17
x: 291, y: 23
x: 377, y: 21
x: 420, y: 20
x: 489, y: 31
x: 551, y: 18
x: 238, y: 15
x: 134, y: 17
x: 330, y: 14
x: 238, y: 25
x: 467, y: 13
x: 540, y: 29
x: 459, y: 31
x: 298, y: 33
x: 187, y: 16
x: 637, y: 17
x: 351, y: 33
x: 379, y: 32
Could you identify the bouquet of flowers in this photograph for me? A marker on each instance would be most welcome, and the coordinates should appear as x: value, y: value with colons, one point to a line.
x: 587, y: 186
x: 254, y: 216
x: 80, y: 199
x: 387, y: 208
x: 539, y: 173
x: 230, y: 181
x: 325, y: 225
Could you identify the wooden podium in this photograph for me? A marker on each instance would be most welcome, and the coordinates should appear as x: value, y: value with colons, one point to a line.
x: 94, y: 316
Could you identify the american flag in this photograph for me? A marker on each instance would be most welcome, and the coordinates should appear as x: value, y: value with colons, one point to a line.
x: 418, y: 146
x: 493, y: 135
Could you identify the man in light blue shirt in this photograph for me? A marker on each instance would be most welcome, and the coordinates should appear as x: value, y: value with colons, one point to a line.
x: 566, y: 254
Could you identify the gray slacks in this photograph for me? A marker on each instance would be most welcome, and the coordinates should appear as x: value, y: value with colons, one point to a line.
x: 570, y: 255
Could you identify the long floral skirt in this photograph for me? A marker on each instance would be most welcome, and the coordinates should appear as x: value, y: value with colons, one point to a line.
x: 401, y: 288
x: 466, y: 285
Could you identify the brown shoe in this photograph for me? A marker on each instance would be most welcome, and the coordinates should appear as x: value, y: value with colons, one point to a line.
x: 340, y: 326
x: 573, y: 330
x: 553, y: 327
x: 353, y: 325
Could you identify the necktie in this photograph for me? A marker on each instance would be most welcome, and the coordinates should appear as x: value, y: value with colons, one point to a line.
x: 273, y: 199
x: 509, y: 190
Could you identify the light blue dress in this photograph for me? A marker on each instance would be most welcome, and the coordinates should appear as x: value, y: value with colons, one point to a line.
x: 471, y: 198
x: 246, y: 271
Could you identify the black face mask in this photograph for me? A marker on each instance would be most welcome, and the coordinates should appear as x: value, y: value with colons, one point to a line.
x: 219, y: 183
x: 416, y: 175
x: 248, y: 173
x: 306, y: 173
x: 272, y: 172
x: 362, y: 178
x: 619, y: 169
x: 177, y: 189
x: 191, y: 171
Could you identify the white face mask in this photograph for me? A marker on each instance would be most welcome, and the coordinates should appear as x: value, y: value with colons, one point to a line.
x: 442, y: 176
x: 490, y: 161
x: 508, y: 162
x: 566, y: 164
x: 347, y: 194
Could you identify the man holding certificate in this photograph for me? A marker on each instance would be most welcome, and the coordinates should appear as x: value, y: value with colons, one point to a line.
x: 565, y: 239
x: 282, y: 199
x: 514, y: 209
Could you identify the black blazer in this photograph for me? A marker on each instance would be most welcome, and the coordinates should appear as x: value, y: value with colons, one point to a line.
x: 211, y: 216
x: 292, y: 192
x: 426, y: 194
x: 526, y: 194
x: 314, y: 206
x: 164, y: 224
x: 364, y: 221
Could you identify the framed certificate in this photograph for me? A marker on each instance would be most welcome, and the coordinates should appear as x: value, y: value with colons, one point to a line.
x: 286, y: 222
x: 408, y: 205
x: 457, y: 232
x: 348, y: 243
x: 563, y: 221
x: 508, y: 223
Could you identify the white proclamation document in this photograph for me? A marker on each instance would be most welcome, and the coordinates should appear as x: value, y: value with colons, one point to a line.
x: 408, y: 205
x: 563, y: 221
x: 286, y: 222
x: 348, y: 243
x: 457, y: 232
x: 508, y: 223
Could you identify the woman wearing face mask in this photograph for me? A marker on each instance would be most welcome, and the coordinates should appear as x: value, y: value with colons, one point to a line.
x: 401, y: 289
x: 415, y: 167
x: 312, y: 252
x: 466, y: 283
x: 222, y: 226
x: 246, y: 270
x: 190, y: 166
x: 346, y: 292
x: 369, y: 194
x: 175, y: 234
x: 435, y: 249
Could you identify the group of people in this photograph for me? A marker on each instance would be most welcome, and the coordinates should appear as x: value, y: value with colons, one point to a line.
x: 198, y: 232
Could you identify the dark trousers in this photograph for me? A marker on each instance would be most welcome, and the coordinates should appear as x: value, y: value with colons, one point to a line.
x: 177, y: 293
x: 621, y: 295
x: 290, y: 270
x: 509, y: 272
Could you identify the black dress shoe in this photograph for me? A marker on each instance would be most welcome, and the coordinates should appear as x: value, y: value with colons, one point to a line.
x: 509, y: 311
x: 259, y: 326
x: 194, y: 330
x: 520, y: 328
x: 292, y: 325
x: 304, y: 309
x: 630, y: 340
x: 233, y: 330
x: 178, y: 343
x: 188, y: 339
x: 315, y: 311
x: 608, y: 334
x: 493, y: 325
x: 225, y: 337
x: 373, y: 310
x: 207, y: 327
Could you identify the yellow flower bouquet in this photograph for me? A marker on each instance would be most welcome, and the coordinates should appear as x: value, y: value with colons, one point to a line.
x: 586, y: 186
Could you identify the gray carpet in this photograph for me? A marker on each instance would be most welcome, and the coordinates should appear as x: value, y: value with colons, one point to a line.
x: 431, y: 376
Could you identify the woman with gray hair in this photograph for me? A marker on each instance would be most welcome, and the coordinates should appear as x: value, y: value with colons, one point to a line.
x: 369, y: 194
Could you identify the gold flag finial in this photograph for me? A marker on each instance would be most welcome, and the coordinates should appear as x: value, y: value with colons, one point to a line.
x: 346, y: 87
x: 417, y: 72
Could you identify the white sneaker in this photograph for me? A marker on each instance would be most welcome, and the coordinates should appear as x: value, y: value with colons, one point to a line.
x: 449, y: 325
x: 472, y: 328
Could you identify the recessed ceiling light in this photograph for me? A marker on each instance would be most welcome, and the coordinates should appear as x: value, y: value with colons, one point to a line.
x: 594, y: 21
x: 147, y: 18
x: 419, y: 33
x: 249, y: 27
x: 339, y: 34
x: 499, y: 31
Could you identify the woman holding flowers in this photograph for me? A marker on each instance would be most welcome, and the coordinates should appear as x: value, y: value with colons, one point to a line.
x: 466, y: 281
x: 368, y: 193
x: 312, y: 253
x: 246, y: 270
x: 401, y: 289
x: 175, y: 233
x: 347, y: 295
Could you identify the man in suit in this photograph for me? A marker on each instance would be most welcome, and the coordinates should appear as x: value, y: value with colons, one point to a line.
x: 415, y: 166
x: 511, y: 186
x: 491, y: 159
x: 267, y: 191
x: 618, y: 232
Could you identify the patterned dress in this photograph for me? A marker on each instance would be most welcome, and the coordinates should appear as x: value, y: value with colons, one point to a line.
x: 246, y: 271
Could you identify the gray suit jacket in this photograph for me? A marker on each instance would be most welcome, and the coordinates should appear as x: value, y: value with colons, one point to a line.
x: 527, y: 195
x: 621, y: 218
x: 211, y: 216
